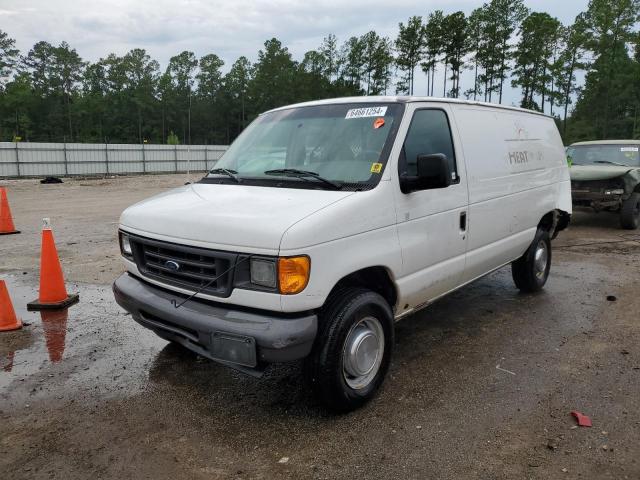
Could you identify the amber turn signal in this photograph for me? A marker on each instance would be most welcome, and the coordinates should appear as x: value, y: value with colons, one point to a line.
x: 293, y: 274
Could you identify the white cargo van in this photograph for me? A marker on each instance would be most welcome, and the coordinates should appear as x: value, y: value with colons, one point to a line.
x: 327, y: 221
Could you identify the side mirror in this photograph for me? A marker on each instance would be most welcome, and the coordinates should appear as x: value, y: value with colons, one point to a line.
x: 433, y: 172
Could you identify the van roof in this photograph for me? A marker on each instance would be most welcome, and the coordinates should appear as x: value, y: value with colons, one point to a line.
x: 404, y: 99
x: 607, y: 142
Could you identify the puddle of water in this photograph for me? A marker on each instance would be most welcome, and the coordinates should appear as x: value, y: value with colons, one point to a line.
x: 91, y: 346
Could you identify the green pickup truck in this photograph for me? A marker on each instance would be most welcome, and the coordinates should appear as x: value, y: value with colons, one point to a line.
x: 605, y: 175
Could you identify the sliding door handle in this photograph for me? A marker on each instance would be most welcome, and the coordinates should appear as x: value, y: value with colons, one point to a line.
x: 463, y: 221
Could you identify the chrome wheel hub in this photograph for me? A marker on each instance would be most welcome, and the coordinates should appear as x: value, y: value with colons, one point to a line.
x: 540, y: 259
x: 363, y: 352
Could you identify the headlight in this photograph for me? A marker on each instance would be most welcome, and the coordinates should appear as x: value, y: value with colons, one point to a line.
x: 293, y: 274
x: 263, y: 272
x: 125, y: 245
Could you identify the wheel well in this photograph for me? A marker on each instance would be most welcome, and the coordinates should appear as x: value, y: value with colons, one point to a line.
x: 555, y: 221
x: 548, y: 222
x: 376, y: 279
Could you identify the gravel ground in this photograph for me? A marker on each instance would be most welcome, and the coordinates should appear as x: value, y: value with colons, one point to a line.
x: 481, y: 384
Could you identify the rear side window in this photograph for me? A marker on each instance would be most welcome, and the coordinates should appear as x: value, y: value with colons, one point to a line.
x: 429, y: 133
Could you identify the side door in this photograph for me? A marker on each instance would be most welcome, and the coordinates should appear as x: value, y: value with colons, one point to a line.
x: 431, y: 223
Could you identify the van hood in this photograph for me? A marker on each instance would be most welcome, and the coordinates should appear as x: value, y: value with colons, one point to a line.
x: 229, y: 217
x: 585, y: 173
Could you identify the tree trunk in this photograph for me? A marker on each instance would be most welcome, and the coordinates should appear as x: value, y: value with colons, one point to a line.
x: 567, y: 90
x: 163, y: 125
x: 411, y: 72
x: 433, y: 76
x: 444, y: 94
x: 502, y: 65
x: 543, y: 87
x: 69, y: 115
x: 475, y: 81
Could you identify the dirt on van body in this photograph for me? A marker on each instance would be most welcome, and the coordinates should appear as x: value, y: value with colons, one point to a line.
x: 481, y: 385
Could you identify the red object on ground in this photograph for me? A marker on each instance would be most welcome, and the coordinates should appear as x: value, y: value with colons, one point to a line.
x: 8, y: 319
x: 583, y: 420
x: 6, y: 222
x: 54, y: 323
x: 53, y: 293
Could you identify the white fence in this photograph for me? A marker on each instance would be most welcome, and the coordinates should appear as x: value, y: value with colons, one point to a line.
x: 65, y: 159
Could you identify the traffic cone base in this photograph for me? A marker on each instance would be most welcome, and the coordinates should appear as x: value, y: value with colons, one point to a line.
x: 8, y: 319
x: 8, y: 328
x: 10, y: 233
x: 67, y: 302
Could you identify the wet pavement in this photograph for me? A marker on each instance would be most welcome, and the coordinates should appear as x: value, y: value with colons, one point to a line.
x: 481, y: 386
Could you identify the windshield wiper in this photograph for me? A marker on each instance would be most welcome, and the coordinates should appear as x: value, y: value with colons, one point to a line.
x: 302, y: 174
x: 610, y: 163
x: 225, y: 171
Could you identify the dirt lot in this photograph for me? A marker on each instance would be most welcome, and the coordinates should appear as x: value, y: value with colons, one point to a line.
x: 481, y: 384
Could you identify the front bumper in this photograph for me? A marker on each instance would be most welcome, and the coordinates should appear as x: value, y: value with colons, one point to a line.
x: 198, y: 325
x: 595, y: 199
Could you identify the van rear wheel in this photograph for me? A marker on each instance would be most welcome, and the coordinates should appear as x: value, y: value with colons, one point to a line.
x: 630, y: 212
x: 353, y: 348
x: 530, y: 272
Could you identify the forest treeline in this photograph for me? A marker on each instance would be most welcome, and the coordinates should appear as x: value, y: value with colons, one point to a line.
x: 586, y: 74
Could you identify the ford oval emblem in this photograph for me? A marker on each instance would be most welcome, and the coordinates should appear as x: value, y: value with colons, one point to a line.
x: 171, y: 265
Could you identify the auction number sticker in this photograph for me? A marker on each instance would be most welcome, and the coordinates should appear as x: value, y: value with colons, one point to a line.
x: 629, y: 149
x: 366, y: 112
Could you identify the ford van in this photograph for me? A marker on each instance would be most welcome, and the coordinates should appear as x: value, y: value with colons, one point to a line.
x: 326, y: 222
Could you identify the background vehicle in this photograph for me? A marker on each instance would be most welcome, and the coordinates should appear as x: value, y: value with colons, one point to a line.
x: 326, y: 221
x: 605, y: 175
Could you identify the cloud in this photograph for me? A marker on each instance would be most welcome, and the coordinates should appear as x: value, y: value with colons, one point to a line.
x: 229, y: 29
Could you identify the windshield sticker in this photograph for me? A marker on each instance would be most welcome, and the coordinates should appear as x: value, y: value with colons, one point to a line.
x: 378, y: 123
x: 376, y: 167
x: 366, y: 112
x: 629, y: 149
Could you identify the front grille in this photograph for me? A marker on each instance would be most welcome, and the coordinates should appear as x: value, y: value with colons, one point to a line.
x: 597, y: 186
x: 197, y: 267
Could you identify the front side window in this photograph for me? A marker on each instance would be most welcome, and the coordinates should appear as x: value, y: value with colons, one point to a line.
x: 429, y: 133
x: 346, y: 144
x: 623, y: 155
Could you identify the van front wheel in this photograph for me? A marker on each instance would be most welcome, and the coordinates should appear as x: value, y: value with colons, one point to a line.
x: 530, y: 272
x: 353, y: 349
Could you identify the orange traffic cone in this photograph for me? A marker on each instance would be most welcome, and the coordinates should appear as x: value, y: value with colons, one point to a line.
x: 8, y: 319
x: 6, y: 222
x: 53, y: 294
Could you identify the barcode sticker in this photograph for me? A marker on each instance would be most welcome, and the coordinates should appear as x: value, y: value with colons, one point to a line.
x: 366, y: 112
x: 629, y: 149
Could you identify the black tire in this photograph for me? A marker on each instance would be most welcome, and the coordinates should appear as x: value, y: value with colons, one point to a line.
x: 526, y: 271
x: 325, y: 366
x: 630, y: 212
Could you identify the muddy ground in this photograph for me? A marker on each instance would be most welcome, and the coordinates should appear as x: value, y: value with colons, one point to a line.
x: 481, y: 384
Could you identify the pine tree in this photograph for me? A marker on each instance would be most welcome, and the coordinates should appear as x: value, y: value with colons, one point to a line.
x: 410, y: 49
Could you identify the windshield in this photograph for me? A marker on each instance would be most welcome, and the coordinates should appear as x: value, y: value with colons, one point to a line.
x: 625, y: 155
x: 346, y: 144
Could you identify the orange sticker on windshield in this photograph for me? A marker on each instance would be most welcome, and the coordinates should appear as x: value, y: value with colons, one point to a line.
x: 376, y: 168
x: 378, y: 122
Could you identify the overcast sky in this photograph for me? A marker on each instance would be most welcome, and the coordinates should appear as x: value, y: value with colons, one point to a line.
x: 227, y: 28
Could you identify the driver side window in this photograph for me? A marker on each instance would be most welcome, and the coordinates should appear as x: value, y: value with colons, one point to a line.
x: 429, y: 133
